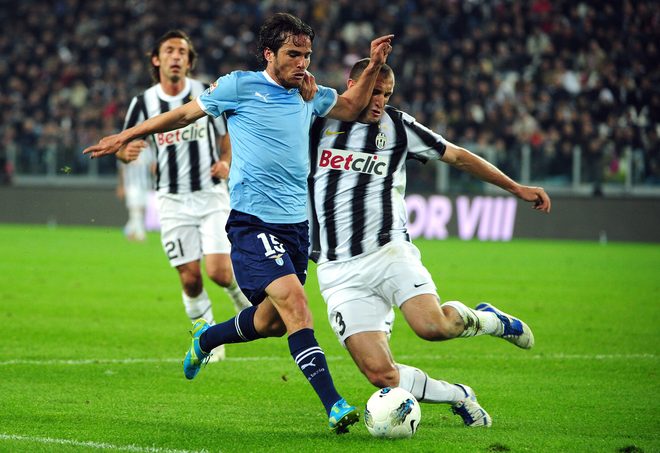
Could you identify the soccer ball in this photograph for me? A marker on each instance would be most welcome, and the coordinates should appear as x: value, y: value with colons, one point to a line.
x: 393, y: 413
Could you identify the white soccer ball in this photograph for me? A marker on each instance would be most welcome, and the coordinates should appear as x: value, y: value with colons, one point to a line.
x: 393, y: 413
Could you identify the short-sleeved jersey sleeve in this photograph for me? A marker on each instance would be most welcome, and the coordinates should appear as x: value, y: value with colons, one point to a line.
x: 423, y: 143
x: 220, y: 96
x: 324, y: 100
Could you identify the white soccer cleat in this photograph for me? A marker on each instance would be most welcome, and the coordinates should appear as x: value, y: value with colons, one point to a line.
x: 470, y: 411
x: 218, y: 354
x: 515, y: 330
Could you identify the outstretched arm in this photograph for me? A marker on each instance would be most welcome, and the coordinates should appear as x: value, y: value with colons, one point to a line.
x: 168, y: 121
x: 464, y: 160
x: 352, y: 102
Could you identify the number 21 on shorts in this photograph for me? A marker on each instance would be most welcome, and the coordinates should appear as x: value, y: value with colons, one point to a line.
x: 174, y: 249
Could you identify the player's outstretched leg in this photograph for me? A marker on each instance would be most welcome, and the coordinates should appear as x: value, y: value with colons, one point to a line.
x: 515, y: 331
x: 469, y: 409
x: 195, y: 357
x: 342, y: 415
x: 310, y: 358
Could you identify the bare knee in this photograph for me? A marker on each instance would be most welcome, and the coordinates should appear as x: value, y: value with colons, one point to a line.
x: 435, y: 331
x: 222, y: 276
x: 295, y: 312
x: 273, y: 328
x: 382, y: 376
x: 267, y: 321
x: 432, y: 322
x: 218, y: 268
x: 191, y: 281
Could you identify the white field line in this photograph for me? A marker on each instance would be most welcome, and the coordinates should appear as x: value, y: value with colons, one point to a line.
x: 90, y: 444
x: 521, y: 356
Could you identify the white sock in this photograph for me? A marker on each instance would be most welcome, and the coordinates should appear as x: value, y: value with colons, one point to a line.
x: 136, y: 222
x: 476, y: 322
x: 426, y: 389
x: 237, y: 296
x: 198, y: 307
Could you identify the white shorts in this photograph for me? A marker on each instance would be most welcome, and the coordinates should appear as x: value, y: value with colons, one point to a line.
x: 193, y: 224
x: 360, y: 293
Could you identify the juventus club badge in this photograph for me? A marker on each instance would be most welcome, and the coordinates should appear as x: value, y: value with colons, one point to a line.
x: 381, y: 140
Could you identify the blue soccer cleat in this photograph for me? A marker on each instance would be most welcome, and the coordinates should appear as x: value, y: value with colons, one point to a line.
x: 515, y: 331
x: 342, y: 415
x: 469, y: 410
x: 195, y: 357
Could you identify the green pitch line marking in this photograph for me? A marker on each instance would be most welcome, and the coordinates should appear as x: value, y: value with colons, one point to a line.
x: 89, y: 444
x: 549, y: 357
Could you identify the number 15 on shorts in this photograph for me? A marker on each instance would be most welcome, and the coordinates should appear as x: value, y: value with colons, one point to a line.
x: 272, y: 246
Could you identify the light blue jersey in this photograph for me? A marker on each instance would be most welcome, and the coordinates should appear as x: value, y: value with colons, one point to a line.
x: 269, y: 130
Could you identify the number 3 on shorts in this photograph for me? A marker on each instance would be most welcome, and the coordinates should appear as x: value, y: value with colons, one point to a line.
x: 340, y: 325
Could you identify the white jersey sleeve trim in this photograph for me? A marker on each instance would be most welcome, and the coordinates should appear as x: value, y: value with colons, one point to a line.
x: 332, y: 106
x: 203, y: 107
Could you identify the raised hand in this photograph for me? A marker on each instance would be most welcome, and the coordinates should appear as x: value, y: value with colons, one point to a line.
x: 308, y: 87
x: 380, y: 49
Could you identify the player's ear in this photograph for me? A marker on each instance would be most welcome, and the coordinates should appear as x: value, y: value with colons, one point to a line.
x: 268, y: 55
x: 155, y: 61
x: 351, y: 83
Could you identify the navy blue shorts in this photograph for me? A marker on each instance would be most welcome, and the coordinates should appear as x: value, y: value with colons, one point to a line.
x: 262, y: 252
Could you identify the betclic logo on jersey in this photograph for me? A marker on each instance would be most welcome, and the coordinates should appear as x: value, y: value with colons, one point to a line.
x: 189, y: 133
x: 340, y: 159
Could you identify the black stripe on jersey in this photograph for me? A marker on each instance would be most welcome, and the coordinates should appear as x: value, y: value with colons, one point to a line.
x: 193, y: 151
x: 172, y: 165
x: 135, y: 113
x: 428, y: 140
x: 331, y: 191
x: 195, y: 182
x: 398, y: 152
x: 360, y: 195
x: 314, y: 139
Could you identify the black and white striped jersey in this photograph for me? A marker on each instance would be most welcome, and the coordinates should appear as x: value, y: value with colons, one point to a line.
x: 357, y: 182
x: 185, y: 155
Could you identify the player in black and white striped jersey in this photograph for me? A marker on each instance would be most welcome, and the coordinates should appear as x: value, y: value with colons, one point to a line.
x: 191, y: 187
x: 367, y: 264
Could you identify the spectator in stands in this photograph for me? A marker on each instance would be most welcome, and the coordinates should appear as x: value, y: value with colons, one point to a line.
x: 555, y: 61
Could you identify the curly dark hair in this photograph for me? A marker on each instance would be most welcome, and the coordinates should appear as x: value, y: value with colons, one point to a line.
x: 276, y: 30
x: 192, y: 54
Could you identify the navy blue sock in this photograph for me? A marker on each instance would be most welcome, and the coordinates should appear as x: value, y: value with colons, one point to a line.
x: 238, y: 329
x: 310, y: 358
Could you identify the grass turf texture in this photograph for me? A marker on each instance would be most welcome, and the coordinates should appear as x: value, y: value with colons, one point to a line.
x: 93, y: 334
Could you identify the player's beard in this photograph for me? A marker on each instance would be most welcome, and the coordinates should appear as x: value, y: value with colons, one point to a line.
x: 279, y: 75
x: 175, y: 78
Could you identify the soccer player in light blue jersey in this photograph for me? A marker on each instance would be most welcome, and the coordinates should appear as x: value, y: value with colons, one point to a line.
x: 268, y: 122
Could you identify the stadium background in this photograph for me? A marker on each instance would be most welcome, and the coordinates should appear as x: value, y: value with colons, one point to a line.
x: 560, y: 93
x: 563, y: 94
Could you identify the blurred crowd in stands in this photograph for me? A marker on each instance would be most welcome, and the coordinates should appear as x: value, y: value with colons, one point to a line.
x: 495, y: 76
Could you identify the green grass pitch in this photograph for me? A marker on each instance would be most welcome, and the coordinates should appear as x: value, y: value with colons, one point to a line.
x: 93, y: 334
